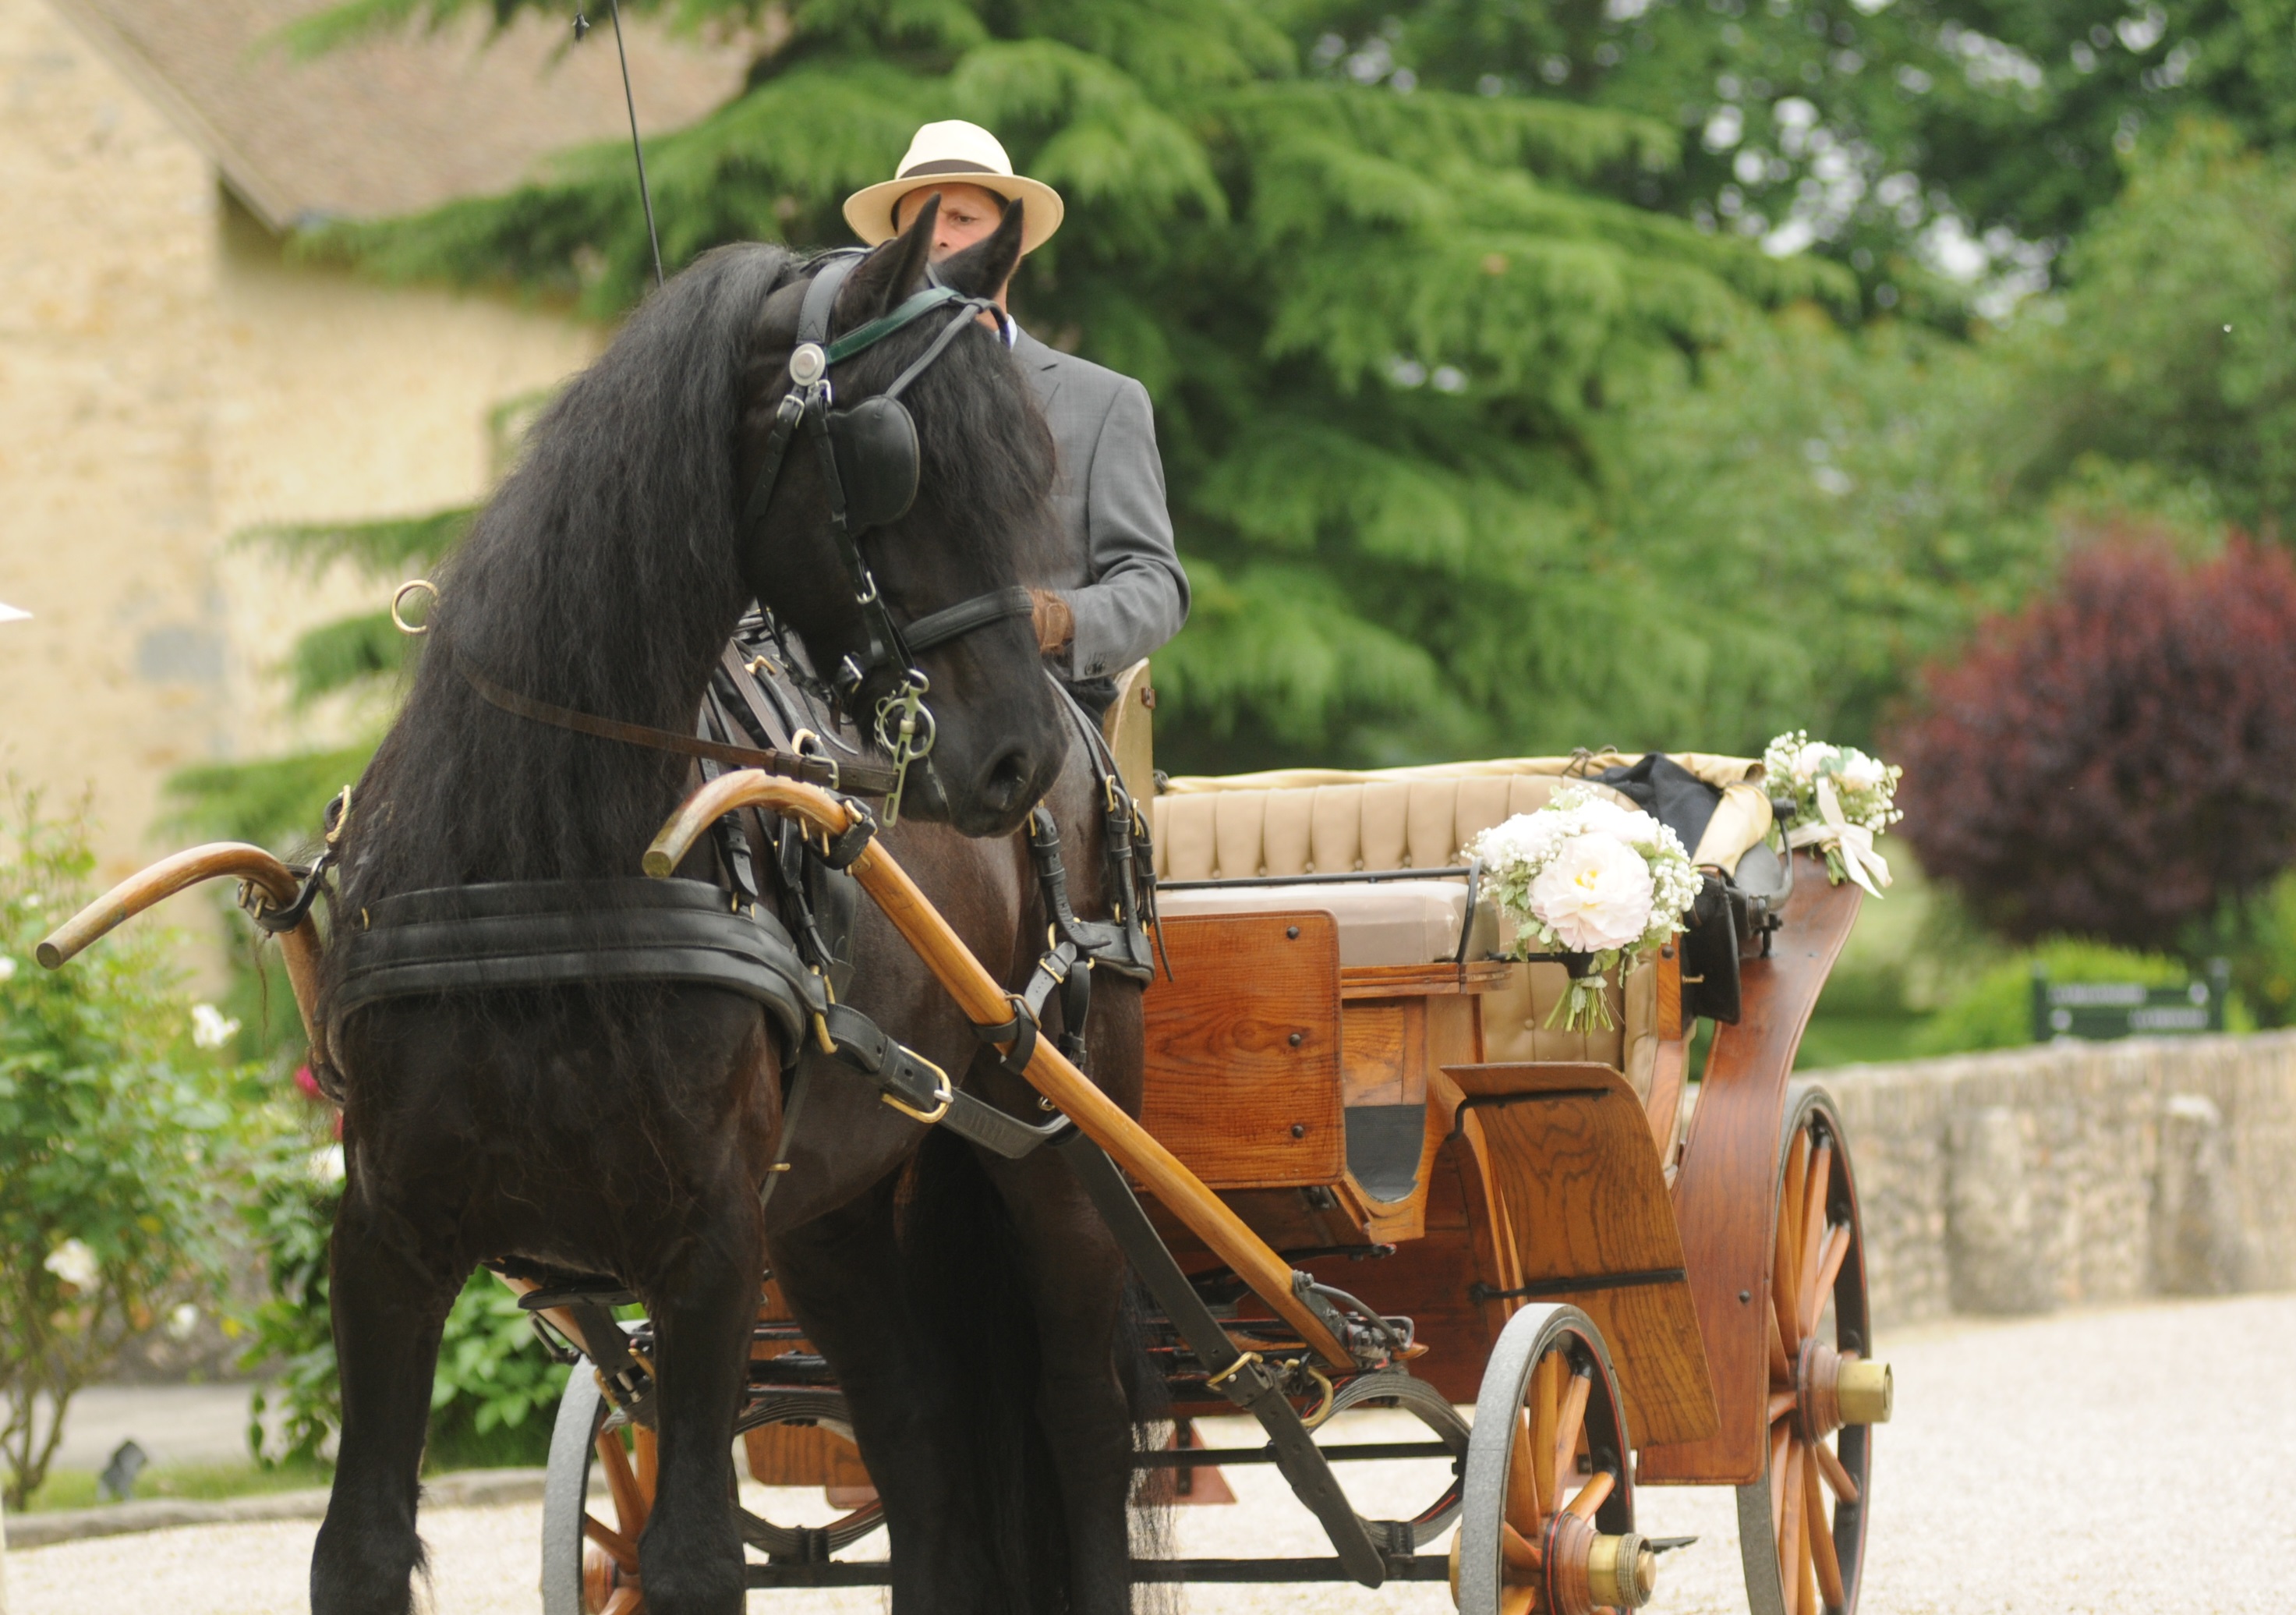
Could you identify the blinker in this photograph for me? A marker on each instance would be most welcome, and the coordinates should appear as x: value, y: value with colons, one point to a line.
x: 876, y: 446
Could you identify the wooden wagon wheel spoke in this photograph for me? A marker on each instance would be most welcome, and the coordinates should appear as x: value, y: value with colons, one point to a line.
x: 1813, y: 1212
x: 1781, y: 1439
x: 1525, y: 1500
x: 1594, y: 1494
x: 1791, y: 1529
x: 1818, y: 1283
x: 1544, y: 1398
x: 1781, y: 1366
x: 633, y: 1501
x: 618, y: 1548
x: 626, y: 1601
x: 1826, y: 1561
x: 1783, y: 1278
x: 1572, y: 1424
x: 1837, y: 1479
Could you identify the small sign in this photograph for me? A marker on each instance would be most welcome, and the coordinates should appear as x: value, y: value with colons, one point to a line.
x: 2100, y: 1009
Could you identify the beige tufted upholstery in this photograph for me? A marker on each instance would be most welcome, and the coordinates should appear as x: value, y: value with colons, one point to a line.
x: 1308, y: 821
x: 1392, y: 922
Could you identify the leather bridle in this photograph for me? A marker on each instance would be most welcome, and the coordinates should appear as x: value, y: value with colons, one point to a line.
x: 869, y: 465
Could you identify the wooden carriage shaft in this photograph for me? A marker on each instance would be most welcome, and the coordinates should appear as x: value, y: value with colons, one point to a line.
x: 298, y: 948
x: 1100, y: 1118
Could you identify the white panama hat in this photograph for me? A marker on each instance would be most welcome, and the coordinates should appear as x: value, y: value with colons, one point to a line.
x: 956, y: 152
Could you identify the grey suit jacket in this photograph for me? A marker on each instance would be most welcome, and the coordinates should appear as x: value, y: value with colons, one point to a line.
x: 1121, y: 575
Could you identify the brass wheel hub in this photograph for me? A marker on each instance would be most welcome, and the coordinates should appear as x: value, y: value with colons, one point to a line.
x: 1833, y: 1389
x: 1588, y: 1570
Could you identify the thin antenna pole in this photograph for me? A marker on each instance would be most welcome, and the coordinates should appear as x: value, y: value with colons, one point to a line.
x: 637, y: 147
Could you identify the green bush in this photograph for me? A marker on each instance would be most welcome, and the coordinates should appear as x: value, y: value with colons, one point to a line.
x: 495, y: 1387
x: 123, y: 1135
x: 1996, y: 1012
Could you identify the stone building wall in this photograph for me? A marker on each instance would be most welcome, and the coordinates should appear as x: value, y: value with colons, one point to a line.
x: 167, y: 380
x: 2075, y: 1175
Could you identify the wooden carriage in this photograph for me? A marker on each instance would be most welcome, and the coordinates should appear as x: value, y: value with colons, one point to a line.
x: 1340, y: 1056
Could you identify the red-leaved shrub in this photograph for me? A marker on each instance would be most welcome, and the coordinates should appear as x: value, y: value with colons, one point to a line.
x: 2119, y: 755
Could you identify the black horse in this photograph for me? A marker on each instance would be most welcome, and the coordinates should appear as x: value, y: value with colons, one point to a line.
x: 625, y: 1129
x: 972, y: 1306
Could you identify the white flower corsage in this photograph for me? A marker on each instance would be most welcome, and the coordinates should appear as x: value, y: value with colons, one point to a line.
x: 1843, y: 800
x: 1593, y: 881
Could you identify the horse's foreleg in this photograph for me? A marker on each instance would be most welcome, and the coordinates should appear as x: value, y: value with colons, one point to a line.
x: 690, y: 1556
x: 1076, y: 1274
x: 390, y: 1305
x: 840, y: 1273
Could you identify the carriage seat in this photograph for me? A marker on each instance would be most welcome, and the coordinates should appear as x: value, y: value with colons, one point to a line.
x: 1305, y: 821
x: 1388, y: 922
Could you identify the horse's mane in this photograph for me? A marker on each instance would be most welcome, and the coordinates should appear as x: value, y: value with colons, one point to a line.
x: 603, y: 576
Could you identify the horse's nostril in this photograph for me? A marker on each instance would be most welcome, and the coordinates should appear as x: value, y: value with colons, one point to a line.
x: 1008, y: 778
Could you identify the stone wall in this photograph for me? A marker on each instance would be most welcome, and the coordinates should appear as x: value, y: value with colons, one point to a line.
x: 2075, y: 1175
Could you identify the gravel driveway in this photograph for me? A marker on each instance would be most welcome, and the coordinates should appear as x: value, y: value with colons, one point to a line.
x: 2130, y: 1461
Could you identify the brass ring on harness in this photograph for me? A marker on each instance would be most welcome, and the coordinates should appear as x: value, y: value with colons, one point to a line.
x: 414, y: 630
x: 1309, y: 1420
x: 1214, y: 1382
x: 806, y: 743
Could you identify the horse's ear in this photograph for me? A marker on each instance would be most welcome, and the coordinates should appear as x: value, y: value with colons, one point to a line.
x: 892, y: 272
x: 981, y: 269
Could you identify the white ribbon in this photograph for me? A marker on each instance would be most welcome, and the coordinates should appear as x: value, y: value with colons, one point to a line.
x: 1852, y: 844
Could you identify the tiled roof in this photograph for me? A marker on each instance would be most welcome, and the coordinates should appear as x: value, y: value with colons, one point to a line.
x: 403, y: 121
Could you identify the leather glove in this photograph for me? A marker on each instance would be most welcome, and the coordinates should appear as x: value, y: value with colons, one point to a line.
x: 1055, y: 623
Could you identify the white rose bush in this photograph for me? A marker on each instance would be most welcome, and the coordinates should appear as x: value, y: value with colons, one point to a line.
x: 1843, y: 800
x: 1585, y: 877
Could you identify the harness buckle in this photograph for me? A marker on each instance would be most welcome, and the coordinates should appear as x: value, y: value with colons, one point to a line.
x: 944, y: 1095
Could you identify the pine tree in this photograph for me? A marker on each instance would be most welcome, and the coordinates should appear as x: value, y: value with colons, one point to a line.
x: 1395, y: 336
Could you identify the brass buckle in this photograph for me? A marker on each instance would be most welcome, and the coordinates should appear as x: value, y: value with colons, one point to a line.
x: 942, y: 1092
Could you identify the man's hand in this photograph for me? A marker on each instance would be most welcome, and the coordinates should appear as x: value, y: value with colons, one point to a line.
x: 1055, y: 623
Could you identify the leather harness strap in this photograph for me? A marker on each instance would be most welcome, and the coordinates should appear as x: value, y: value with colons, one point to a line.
x: 953, y: 622
x: 858, y: 779
x: 569, y: 933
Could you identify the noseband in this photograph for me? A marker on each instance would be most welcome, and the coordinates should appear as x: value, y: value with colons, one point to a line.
x: 870, y: 463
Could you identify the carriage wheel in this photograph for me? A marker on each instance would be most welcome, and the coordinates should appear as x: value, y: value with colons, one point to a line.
x: 1801, y: 1526
x: 1547, y: 1524
x: 589, y: 1550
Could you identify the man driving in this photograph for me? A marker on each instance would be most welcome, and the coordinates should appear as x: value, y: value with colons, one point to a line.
x: 1123, y: 593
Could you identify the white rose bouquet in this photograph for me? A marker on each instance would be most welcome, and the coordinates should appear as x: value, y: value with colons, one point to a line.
x: 1585, y: 876
x: 1843, y: 800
